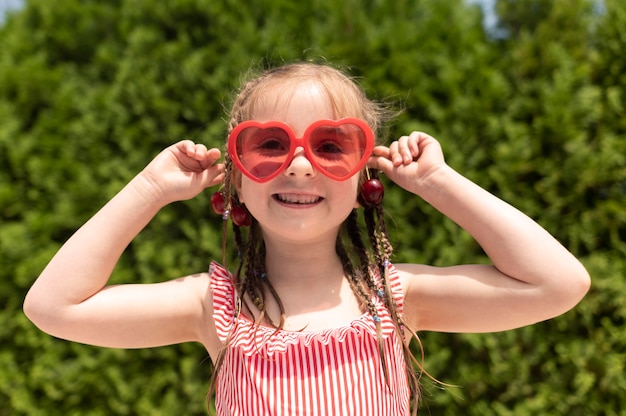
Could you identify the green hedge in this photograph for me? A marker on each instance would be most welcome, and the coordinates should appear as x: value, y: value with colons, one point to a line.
x: 532, y: 110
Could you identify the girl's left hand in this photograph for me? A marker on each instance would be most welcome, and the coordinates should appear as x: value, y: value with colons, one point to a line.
x: 410, y: 160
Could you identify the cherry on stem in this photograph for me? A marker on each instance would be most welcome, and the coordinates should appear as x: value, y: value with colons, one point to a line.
x: 218, y: 203
x: 372, y: 192
x: 240, y: 216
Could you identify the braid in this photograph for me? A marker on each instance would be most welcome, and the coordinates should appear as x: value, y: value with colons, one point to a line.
x: 377, y: 231
x: 357, y: 242
x: 367, y: 278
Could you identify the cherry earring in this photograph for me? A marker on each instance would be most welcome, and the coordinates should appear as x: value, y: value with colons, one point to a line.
x: 238, y: 213
x: 218, y: 203
x: 372, y: 191
x: 241, y: 216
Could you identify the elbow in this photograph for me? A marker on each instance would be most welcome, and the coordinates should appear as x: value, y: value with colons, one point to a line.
x: 37, y: 312
x: 31, y: 308
x: 581, y: 282
x: 573, y: 288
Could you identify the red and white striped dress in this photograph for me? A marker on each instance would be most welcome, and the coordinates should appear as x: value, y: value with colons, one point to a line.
x: 328, y: 372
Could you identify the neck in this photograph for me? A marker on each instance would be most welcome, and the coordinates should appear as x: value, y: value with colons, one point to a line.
x: 303, y: 264
x: 309, y: 280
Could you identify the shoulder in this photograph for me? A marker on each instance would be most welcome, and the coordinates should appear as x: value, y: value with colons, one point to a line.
x: 408, y: 274
x: 204, y: 288
x: 216, y: 292
x: 215, y: 278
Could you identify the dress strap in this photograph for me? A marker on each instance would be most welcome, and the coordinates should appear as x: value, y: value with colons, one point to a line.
x: 224, y: 299
x: 396, y: 287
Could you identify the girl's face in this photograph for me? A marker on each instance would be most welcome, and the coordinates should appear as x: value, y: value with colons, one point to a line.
x: 300, y: 203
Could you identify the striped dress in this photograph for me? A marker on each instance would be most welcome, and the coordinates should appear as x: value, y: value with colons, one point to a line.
x: 327, y: 372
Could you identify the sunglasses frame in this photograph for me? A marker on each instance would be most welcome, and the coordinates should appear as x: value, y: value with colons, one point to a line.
x: 295, y: 142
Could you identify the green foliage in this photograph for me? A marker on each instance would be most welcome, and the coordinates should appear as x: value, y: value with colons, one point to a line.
x: 90, y: 91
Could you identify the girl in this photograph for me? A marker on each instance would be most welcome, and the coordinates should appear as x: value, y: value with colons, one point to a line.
x: 312, y: 320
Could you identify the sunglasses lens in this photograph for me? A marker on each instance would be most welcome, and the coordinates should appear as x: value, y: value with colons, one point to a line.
x: 263, y: 151
x: 339, y: 150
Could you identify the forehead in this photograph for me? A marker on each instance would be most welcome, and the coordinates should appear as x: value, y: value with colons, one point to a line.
x: 296, y: 105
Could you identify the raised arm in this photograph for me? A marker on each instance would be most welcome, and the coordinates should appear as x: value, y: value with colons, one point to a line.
x: 71, y: 299
x: 533, y: 277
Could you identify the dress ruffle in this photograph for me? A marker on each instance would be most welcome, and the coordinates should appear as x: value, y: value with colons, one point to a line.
x: 252, y: 339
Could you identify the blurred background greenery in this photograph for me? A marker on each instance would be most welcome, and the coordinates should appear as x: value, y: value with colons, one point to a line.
x: 531, y: 107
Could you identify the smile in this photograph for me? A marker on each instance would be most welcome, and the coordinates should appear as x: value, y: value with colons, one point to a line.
x: 297, y: 199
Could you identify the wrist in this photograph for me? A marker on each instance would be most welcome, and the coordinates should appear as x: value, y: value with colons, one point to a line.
x: 149, y: 190
x: 436, y: 182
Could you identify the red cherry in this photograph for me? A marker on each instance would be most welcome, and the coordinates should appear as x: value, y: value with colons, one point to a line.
x: 240, y: 216
x: 218, y: 203
x: 372, y: 192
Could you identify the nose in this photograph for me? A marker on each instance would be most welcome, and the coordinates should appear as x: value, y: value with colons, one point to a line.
x: 300, y: 165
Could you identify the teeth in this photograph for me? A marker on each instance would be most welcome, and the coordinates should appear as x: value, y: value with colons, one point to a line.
x: 297, y: 199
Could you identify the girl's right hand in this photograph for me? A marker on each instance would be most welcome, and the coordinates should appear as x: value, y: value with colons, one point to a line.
x: 181, y: 172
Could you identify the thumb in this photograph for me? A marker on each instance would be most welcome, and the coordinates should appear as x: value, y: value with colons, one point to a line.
x: 212, y: 176
x: 380, y: 163
x: 209, y: 158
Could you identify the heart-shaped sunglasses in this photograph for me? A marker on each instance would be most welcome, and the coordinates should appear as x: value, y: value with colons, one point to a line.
x: 338, y: 149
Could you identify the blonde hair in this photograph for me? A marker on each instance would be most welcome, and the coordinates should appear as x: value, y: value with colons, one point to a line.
x: 346, y: 98
x: 363, y: 263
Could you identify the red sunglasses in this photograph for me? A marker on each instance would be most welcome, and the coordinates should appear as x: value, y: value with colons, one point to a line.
x: 338, y: 149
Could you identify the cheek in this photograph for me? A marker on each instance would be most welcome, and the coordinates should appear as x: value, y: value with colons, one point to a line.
x: 244, y: 189
x: 235, y: 182
x: 357, y: 189
x: 350, y: 192
x: 255, y: 196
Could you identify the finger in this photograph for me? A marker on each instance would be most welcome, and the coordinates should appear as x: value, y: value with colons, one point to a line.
x: 184, y: 146
x: 405, y: 148
x: 213, y: 176
x: 205, y: 178
x: 380, y: 156
x: 199, y: 152
x: 414, y: 144
x: 218, y: 180
x: 210, y: 157
x: 395, y: 155
x: 381, y: 151
x: 214, y: 154
x: 381, y: 163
